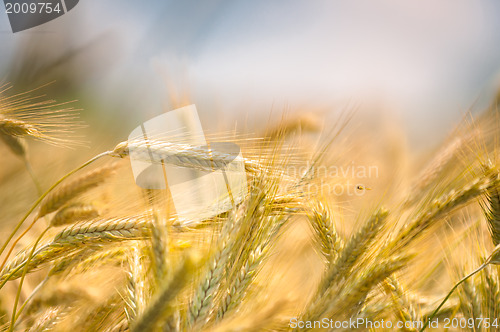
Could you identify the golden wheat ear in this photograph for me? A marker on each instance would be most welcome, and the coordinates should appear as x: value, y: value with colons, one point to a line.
x: 64, y: 194
x: 492, y: 212
x: 177, y: 154
x: 40, y: 199
x: 74, y: 188
x: 25, y: 115
x: 160, y: 308
x: 73, y: 213
x: 493, y: 258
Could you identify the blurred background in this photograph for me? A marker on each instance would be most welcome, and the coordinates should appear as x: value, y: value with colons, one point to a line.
x: 422, y: 63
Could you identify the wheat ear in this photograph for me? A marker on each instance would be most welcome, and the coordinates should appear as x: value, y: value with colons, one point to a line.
x: 136, y: 286
x: 68, y: 236
x: 494, y: 258
x: 73, y: 213
x: 492, y: 293
x: 18, y: 294
x: 492, y: 212
x: 33, y: 207
x: 159, y: 243
x: 69, y: 239
x: 204, y: 294
x: 23, y: 115
x: 403, y: 307
x: 17, y: 128
x: 49, y: 319
x: 353, y: 294
x: 237, y: 289
x: 89, y: 258
x: 74, y: 188
x: 363, y: 284
x: 353, y: 249
x: 440, y: 208
x: 322, y: 224
x: 159, y: 306
x: 346, y: 259
x: 182, y: 155
x: 95, y: 318
x: 64, y: 194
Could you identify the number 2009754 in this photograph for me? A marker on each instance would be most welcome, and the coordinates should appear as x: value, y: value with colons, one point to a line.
x: 32, y: 8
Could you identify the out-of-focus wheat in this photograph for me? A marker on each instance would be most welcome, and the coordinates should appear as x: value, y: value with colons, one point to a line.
x: 145, y: 271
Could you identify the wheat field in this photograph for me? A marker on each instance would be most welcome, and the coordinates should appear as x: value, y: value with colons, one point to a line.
x: 348, y: 231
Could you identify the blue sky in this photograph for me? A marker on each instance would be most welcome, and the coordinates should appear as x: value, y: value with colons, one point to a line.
x: 426, y: 61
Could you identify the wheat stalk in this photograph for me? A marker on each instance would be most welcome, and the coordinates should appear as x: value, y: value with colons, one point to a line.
x: 15, y: 144
x: 19, y: 147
